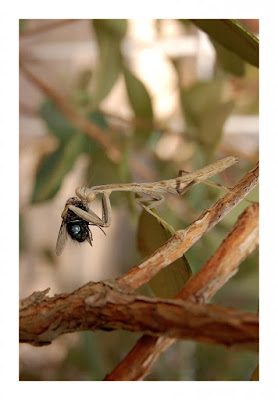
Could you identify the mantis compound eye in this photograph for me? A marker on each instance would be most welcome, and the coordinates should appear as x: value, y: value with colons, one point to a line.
x: 90, y: 197
x: 84, y: 194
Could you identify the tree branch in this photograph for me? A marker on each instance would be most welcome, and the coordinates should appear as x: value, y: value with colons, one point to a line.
x: 182, y: 240
x: 110, y: 306
x: 103, y: 306
x: 200, y: 288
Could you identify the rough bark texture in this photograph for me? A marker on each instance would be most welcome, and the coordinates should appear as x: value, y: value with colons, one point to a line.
x: 200, y: 288
x: 103, y: 306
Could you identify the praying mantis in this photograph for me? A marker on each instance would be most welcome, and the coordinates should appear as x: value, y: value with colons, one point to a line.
x: 77, y: 216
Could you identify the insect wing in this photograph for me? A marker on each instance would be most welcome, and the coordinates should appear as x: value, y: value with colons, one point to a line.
x: 89, y: 237
x: 62, y: 238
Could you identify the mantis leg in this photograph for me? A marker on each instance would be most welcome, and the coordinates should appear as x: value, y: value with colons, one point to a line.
x: 181, y: 191
x: 90, y: 216
x: 205, y: 181
x: 154, y: 201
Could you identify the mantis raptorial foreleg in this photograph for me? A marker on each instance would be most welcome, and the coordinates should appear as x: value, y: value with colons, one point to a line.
x: 153, y: 202
x: 90, y: 216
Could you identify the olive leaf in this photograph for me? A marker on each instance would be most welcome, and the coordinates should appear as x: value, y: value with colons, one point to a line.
x: 54, y: 166
x: 233, y: 36
x: 206, y: 112
x: 71, y: 143
x: 152, y: 235
x: 109, y: 34
x: 140, y: 101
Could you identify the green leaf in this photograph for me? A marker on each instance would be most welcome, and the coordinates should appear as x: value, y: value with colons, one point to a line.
x: 101, y: 170
x: 138, y: 96
x: 212, y: 122
x: 123, y: 167
x: 141, y: 104
x: 56, y: 122
x: 98, y: 118
x: 22, y: 25
x: 152, y: 235
x: 54, y: 166
x: 229, y: 61
x: 255, y: 375
x: 109, y: 34
x: 199, y: 97
x: 115, y: 28
x: 205, y: 111
x: 72, y: 143
x: 63, y: 129
x: 233, y: 36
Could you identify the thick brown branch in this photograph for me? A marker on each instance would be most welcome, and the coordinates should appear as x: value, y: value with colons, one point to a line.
x: 176, y: 246
x: 200, y: 288
x: 224, y: 263
x: 104, y: 306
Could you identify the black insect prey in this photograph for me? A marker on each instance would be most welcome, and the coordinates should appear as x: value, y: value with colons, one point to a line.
x: 74, y: 226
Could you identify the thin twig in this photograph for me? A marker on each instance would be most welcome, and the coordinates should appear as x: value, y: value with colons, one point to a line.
x: 140, y: 123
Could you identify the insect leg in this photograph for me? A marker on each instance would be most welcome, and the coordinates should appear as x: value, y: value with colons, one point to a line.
x: 154, y: 201
x: 106, y: 209
x: 89, y: 237
x: 180, y: 190
x: 205, y: 181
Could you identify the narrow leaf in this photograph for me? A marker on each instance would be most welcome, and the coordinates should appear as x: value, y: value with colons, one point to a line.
x: 229, y: 60
x: 56, y: 122
x: 152, y: 235
x: 53, y: 168
x: 232, y: 35
x: 196, y: 99
x: 115, y: 28
x: 212, y: 122
x: 205, y: 111
x: 138, y: 96
x: 109, y: 34
x: 255, y: 375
